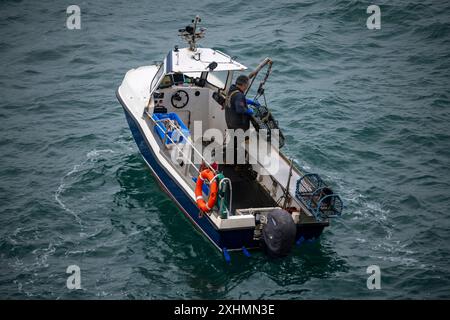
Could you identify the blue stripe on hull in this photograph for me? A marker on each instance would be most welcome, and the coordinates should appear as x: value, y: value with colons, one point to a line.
x: 231, y: 239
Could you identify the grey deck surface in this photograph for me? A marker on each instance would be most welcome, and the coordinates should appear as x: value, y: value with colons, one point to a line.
x: 247, y: 193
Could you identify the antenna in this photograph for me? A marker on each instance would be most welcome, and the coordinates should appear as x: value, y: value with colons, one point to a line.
x: 191, y: 35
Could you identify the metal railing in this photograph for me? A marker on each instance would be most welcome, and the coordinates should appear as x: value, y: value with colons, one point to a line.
x: 191, y: 164
x: 229, y: 209
x: 186, y: 139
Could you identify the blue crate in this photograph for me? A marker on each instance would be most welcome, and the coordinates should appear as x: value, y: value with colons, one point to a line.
x: 172, y: 134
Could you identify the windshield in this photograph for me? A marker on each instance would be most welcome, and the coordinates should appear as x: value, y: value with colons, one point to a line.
x: 157, y: 78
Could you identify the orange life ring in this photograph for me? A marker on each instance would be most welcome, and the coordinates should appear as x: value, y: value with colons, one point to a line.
x: 209, y: 175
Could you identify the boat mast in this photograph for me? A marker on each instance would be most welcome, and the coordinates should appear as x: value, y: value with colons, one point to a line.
x: 190, y: 34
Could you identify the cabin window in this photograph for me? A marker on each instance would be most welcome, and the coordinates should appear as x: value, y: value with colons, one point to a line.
x: 217, y: 79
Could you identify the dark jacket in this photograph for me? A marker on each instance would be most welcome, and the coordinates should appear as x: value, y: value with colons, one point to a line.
x: 235, y: 111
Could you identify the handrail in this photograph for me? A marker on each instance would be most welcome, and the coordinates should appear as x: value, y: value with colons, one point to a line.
x: 187, y: 141
x: 157, y: 122
x: 231, y: 195
x: 171, y: 140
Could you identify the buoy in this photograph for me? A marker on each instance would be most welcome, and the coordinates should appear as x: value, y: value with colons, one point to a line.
x: 206, y: 175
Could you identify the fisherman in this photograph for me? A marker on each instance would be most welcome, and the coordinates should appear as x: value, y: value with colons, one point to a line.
x: 237, y: 112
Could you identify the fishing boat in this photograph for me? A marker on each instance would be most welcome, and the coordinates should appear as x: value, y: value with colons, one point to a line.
x: 176, y: 111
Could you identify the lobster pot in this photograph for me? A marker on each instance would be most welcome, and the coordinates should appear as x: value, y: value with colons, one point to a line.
x: 263, y: 119
x: 318, y: 197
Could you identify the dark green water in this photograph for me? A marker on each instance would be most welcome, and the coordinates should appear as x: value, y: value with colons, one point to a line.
x: 369, y: 110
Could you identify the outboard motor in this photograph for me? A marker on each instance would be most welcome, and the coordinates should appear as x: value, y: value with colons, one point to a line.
x: 279, y: 233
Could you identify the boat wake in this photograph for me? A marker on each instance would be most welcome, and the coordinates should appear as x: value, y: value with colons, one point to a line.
x: 91, y: 156
x: 377, y: 214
